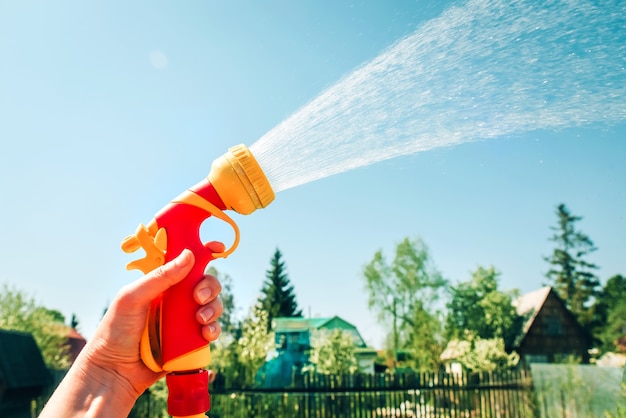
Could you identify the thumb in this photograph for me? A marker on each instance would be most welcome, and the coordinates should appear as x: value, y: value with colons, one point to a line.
x: 150, y: 286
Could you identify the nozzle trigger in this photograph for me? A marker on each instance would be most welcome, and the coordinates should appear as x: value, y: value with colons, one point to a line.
x: 154, y: 243
x: 191, y: 198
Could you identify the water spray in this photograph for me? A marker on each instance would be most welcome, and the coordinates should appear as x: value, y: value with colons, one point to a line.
x: 489, y: 69
x: 172, y: 339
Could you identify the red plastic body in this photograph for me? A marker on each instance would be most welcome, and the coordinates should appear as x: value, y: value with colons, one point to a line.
x: 180, y: 331
x: 188, y: 394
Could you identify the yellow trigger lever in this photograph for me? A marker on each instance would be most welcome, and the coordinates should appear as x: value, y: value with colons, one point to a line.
x: 153, y: 240
x: 190, y: 198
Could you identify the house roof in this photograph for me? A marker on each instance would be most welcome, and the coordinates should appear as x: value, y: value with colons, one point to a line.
x: 76, y: 343
x: 297, y: 324
x: 528, y: 306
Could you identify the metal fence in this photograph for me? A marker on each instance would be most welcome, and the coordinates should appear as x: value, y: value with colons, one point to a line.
x: 505, y: 394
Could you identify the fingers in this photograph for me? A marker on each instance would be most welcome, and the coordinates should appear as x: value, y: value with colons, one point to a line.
x: 206, y: 294
x: 211, y: 331
x: 207, y: 289
x: 210, y: 312
x: 150, y: 286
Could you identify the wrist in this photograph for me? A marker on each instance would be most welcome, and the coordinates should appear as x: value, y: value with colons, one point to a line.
x: 89, y: 390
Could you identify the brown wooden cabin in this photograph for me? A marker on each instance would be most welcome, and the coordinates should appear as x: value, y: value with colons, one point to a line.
x: 550, y: 332
x: 23, y: 374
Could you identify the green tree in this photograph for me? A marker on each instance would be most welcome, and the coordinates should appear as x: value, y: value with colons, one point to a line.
x: 255, y: 342
x: 20, y: 312
x: 239, y: 355
x: 152, y: 403
x: 477, y: 354
x: 278, y: 298
x: 333, y: 352
x: 479, y: 307
x: 406, y: 293
x: 74, y: 322
x: 609, y: 312
x: 570, y: 273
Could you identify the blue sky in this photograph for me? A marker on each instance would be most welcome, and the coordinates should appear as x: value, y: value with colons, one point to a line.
x: 110, y: 109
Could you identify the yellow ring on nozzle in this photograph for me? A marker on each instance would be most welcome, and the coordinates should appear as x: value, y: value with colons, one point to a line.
x: 240, y: 182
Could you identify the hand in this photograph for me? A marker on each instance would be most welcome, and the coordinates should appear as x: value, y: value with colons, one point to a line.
x: 108, y: 376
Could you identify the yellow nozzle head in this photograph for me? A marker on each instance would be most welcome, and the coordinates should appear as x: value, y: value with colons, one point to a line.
x: 240, y: 182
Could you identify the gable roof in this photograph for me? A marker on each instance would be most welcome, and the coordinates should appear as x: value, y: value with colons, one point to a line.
x: 298, y: 324
x: 528, y: 306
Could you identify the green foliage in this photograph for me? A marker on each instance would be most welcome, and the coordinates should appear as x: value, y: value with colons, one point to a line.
x: 570, y: 273
x: 479, y: 307
x: 423, y: 341
x: 476, y: 354
x: 225, y: 353
x: 20, y: 312
x: 227, y: 319
x: 333, y: 352
x: 615, y: 328
x: 406, y: 292
x: 255, y: 342
x: 278, y: 298
x: 609, y: 313
x: 152, y: 403
x: 238, y: 355
x: 74, y: 321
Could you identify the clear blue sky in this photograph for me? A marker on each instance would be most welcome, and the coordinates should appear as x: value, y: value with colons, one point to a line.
x: 110, y: 109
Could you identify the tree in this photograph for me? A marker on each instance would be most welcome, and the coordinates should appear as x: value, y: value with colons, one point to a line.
x: 74, y: 322
x: 238, y: 356
x: 609, y: 312
x: 423, y: 340
x: 571, y: 274
x: 278, y: 298
x: 478, y: 307
x: 333, y: 352
x: 405, y: 293
x: 476, y: 354
x: 152, y: 402
x: 20, y: 312
x: 255, y: 342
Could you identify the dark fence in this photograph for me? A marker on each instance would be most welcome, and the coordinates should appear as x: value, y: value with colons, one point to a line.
x: 505, y: 394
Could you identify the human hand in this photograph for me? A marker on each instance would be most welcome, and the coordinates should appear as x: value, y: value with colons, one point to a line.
x: 109, y: 368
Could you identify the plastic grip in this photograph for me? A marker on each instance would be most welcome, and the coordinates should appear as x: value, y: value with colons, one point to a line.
x: 188, y: 394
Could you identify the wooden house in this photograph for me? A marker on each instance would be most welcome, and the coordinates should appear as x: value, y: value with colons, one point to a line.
x: 23, y: 374
x: 550, y: 332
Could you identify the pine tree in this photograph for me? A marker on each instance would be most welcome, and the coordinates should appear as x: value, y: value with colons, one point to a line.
x: 278, y: 297
x: 571, y: 274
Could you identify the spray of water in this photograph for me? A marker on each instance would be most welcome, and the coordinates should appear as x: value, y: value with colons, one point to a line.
x: 481, y: 70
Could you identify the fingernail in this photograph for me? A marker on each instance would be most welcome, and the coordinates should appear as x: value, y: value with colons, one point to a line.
x: 178, y: 261
x: 206, y: 314
x: 204, y: 295
x: 213, y: 328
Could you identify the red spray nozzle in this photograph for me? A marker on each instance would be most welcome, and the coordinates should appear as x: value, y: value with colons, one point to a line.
x: 172, y: 340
